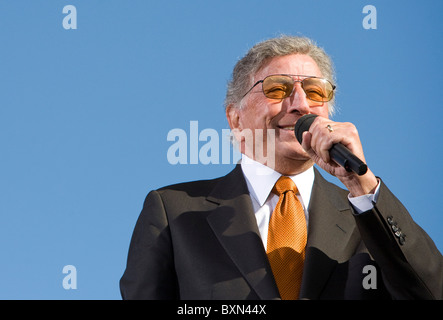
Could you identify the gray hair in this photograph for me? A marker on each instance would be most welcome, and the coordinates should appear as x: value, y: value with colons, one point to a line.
x: 258, y: 55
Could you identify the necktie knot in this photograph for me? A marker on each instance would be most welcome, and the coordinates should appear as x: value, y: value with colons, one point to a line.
x: 283, y: 185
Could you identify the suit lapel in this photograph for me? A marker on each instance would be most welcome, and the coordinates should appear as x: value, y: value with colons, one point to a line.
x: 331, y: 235
x: 235, y: 226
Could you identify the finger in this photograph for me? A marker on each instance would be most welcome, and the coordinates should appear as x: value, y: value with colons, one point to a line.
x: 321, y: 141
x: 306, y: 141
x: 323, y: 148
x: 306, y: 145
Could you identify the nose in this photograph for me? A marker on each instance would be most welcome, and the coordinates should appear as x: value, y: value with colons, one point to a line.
x: 298, y: 102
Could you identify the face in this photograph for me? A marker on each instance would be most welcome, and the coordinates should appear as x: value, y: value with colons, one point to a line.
x: 260, y: 112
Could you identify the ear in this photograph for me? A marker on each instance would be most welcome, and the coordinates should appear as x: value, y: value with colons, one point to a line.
x: 234, y: 120
x: 233, y: 116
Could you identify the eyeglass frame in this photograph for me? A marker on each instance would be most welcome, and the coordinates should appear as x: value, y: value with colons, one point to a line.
x: 291, y: 76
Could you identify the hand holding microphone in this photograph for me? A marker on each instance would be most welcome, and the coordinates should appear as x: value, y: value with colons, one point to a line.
x: 338, y: 152
x: 321, y: 147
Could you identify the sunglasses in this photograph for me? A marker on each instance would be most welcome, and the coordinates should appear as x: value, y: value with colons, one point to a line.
x: 280, y: 86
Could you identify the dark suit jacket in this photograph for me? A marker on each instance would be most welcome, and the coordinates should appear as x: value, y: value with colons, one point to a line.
x: 200, y: 240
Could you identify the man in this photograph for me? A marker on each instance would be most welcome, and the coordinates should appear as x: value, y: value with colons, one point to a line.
x: 274, y: 227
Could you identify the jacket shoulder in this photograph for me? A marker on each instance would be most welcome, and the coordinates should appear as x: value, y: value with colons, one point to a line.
x: 196, y: 187
x: 204, y: 188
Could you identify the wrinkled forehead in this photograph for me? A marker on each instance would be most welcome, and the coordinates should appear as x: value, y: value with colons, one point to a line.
x: 297, y: 64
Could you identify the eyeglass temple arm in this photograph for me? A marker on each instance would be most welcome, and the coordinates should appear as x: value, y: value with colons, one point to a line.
x: 252, y: 88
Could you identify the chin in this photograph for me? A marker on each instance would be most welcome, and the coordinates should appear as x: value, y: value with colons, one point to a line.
x: 291, y: 149
x: 297, y: 154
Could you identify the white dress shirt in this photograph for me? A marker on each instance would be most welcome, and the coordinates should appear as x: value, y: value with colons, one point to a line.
x: 261, y: 179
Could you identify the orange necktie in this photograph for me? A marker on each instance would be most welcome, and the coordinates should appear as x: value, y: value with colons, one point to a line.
x: 287, y: 236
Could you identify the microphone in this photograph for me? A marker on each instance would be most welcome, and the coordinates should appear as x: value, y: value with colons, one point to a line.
x: 338, y: 152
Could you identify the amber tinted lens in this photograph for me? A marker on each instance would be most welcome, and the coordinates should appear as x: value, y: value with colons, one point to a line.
x: 278, y: 87
x: 317, y: 89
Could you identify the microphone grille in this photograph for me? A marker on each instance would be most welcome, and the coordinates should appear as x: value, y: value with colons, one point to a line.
x: 303, y: 125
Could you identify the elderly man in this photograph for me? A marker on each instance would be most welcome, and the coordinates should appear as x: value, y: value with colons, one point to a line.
x: 277, y: 229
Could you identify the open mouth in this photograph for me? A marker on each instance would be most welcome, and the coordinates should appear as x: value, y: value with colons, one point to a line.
x: 290, y: 128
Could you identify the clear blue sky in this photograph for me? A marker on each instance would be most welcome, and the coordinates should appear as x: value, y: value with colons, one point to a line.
x: 85, y: 114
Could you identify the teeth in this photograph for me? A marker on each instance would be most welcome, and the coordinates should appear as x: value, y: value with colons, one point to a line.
x: 288, y: 128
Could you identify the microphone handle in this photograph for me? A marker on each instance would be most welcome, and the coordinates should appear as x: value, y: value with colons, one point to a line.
x: 344, y: 157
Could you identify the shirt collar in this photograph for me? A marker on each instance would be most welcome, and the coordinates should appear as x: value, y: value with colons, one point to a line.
x: 261, y: 179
